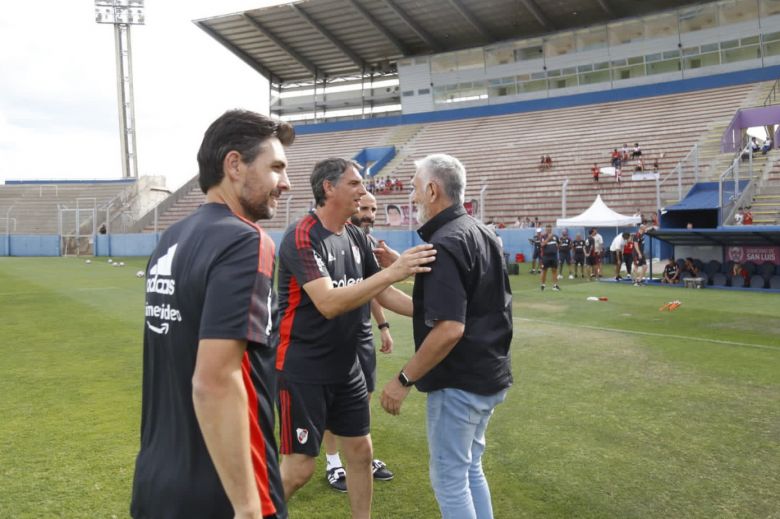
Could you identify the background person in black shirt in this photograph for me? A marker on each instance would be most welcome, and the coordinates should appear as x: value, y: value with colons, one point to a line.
x: 462, y: 333
x: 578, y: 246
x: 549, y: 245
x: 207, y: 423
x: 536, y: 253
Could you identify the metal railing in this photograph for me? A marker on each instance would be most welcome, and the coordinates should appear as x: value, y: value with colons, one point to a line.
x: 564, y: 188
x: 771, y: 97
x: 731, y: 198
x: 687, y: 168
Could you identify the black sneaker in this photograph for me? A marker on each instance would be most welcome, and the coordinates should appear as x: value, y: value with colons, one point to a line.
x: 542, y: 287
x: 556, y: 288
x: 380, y: 471
x: 337, y: 479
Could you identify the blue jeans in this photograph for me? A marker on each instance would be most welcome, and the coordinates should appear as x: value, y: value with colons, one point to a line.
x: 457, y: 421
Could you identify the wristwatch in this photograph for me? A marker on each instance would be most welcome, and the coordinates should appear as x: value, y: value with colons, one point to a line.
x: 404, y: 380
x: 383, y: 325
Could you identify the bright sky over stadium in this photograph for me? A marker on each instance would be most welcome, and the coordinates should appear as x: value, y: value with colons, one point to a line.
x: 58, y: 97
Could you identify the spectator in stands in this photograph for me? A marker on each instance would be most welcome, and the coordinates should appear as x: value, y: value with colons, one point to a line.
x: 747, y: 217
x: 618, y: 172
x: 542, y: 164
x: 615, y: 158
x: 655, y: 166
x: 548, y: 162
x: 739, y: 217
x: 754, y: 145
x: 102, y: 228
x: 595, y: 170
x: 767, y: 146
x: 624, y: 152
x: 399, y: 185
x: 737, y: 271
x: 640, y: 166
x: 388, y: 184
x: 518, y: 222
x: 637, y: 151
x: 536, y: 222
x: 671, y: 273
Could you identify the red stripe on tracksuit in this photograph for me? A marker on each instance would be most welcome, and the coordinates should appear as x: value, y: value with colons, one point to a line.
x: 285, y: 443
x: 257, y: 443
x: 285, y: 328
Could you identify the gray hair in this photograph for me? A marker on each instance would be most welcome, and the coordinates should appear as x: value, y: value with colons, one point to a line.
x: 447, y: 171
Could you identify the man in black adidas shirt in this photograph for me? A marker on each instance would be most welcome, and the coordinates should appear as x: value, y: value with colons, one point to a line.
x: 207, y: 424
x: 327, y: 275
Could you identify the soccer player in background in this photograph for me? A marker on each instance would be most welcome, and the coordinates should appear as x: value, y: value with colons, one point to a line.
x: 328, y: 274
x: 207, y: 420
x: 578, y: 247
x: 640, y: 261
x: 335, y: 474
x: 536, y: 253
x: 549, y: 245
x: 564, y: 252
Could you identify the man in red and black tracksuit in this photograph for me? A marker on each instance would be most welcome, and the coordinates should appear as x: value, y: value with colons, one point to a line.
x: 327, y: 276
x: 208, y: 448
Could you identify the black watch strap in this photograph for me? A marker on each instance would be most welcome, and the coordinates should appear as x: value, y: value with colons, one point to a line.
x: 383, y: 325
x: 404, y: 380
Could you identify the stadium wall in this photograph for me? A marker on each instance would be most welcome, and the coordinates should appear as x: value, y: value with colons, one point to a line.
x: 143, y: 244
x: 553, y: 103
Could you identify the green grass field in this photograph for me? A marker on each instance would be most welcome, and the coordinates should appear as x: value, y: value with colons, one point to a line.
x: 618, y: 410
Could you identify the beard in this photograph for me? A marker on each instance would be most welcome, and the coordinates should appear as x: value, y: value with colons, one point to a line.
x: 422, y: 214
x: 258, y: 209
x: 365, y: 222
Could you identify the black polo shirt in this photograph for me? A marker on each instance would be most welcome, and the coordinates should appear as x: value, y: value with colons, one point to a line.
x: 468, y: 283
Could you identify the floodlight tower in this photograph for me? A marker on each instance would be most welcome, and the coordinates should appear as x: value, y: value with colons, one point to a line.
x: 122, y: 14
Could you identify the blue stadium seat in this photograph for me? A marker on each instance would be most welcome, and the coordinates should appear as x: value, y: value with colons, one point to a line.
x: 737, y: 281
x: 726, y: 267
x: 749, y: 267
x: 712, y: 267
x: 720, y: 280
x: 774, y: 282
x: 757, y: 281
x: 767, y: 270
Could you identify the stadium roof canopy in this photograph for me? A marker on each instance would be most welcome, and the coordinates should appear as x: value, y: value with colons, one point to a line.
x: 746, y: 235
x: 309, y: 39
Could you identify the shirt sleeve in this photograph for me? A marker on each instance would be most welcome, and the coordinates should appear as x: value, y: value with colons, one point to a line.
x: 445, y: 295
x: 238, y: 296
x: 300, y: 255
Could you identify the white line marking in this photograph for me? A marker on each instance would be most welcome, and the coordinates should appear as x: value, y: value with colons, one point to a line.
x: 652, y: 334
x: 98, y: 288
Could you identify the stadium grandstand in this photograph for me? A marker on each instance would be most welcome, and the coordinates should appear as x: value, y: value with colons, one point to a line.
x: 500, y: 83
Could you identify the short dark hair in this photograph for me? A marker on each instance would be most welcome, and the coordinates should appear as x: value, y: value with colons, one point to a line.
x: 236, y: 130
x: 329, y: 169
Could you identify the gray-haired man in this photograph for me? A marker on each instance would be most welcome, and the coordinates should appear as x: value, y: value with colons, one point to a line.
x: 462, y: 332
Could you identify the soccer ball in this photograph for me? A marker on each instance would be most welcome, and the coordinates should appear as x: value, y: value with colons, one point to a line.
x: 88, y: 262
x: 139, y: 274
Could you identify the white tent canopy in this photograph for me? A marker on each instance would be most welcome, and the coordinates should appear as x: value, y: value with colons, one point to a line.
x: 598, y: 215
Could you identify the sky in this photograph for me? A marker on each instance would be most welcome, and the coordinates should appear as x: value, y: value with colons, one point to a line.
x: 58, y: 96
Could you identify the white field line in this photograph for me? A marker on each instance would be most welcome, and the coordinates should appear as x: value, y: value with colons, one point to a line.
x: 652, y: 334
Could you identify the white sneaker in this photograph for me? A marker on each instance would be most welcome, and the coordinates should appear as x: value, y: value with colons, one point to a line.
x: 560, y: 276
x: 571, y: 277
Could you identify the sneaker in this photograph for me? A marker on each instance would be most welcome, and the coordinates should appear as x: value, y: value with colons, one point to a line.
x: 380, y: 471
x: 556, y: 288
x: 618, y: 278
x: 572, y: 277
x: 636, y: 283
x: 542, y: 287
x: 337, y: 479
